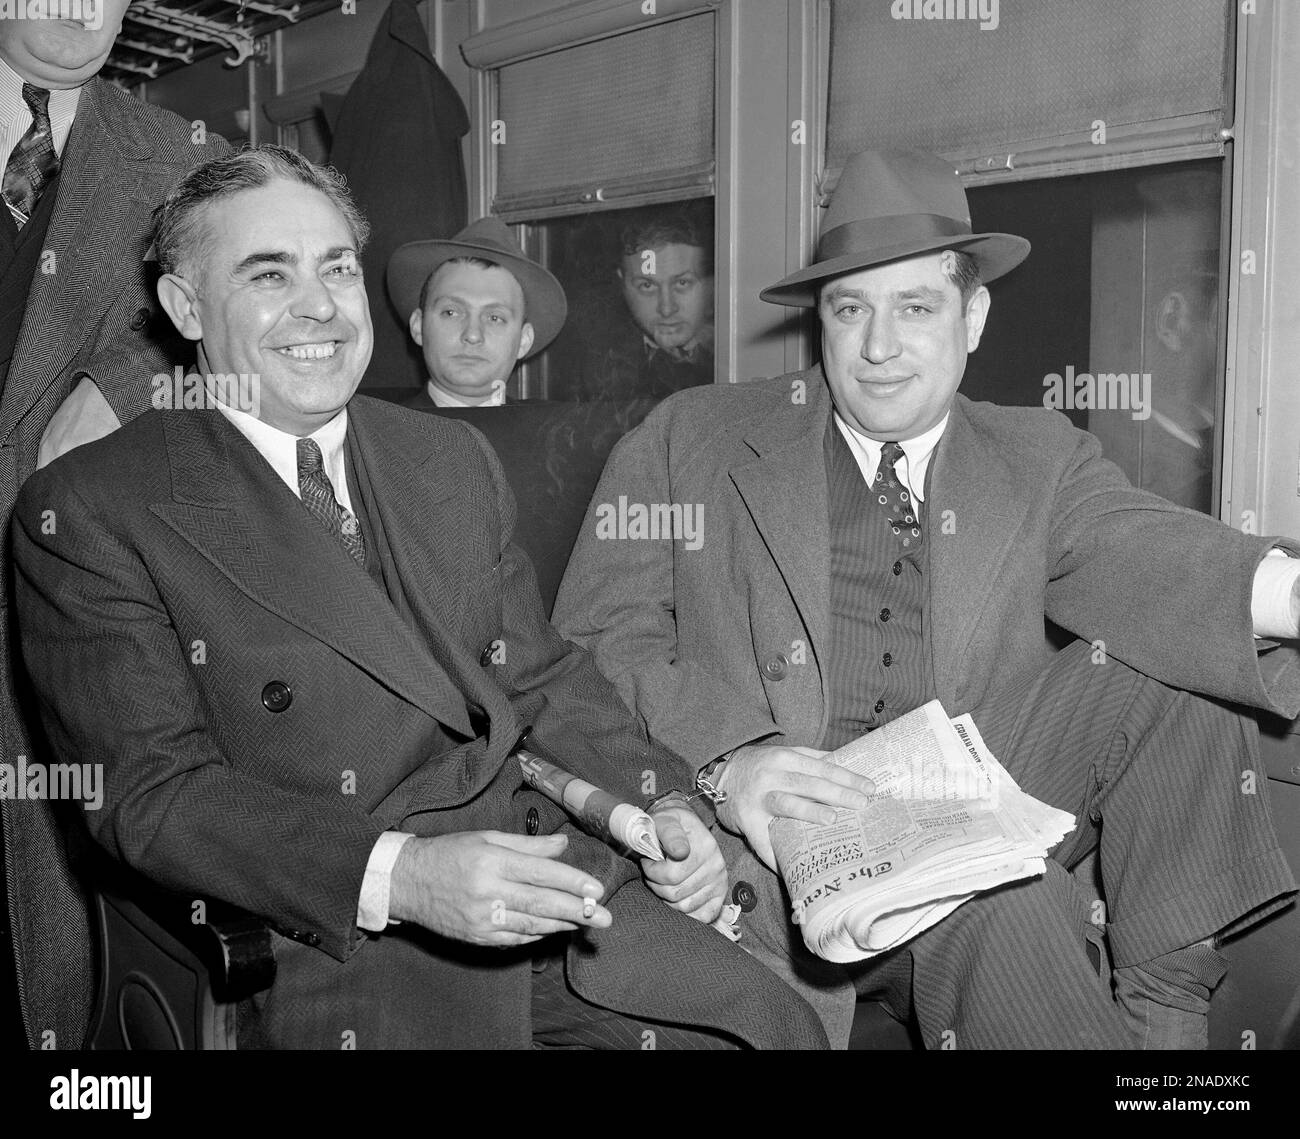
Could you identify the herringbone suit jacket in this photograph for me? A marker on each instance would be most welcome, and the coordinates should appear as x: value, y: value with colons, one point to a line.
x: 181, y: 577
x: 90, y: 312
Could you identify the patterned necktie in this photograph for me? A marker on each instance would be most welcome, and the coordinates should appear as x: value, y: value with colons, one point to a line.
x: 318, y: 497
x: 894, y: 499
x: 33, y: 162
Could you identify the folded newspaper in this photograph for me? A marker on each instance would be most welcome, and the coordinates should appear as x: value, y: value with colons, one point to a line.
x: 946, y: 821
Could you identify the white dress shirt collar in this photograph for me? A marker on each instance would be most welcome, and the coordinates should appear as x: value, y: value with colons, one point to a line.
x: 911, y: 469
x: 280, y: 449
x: 16, y: 117
x: 446, y: 399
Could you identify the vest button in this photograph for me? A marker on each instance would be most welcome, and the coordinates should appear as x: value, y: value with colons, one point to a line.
x: 887, y: 659
x: 774, y: 667
x: 880, y: 707
x: 898, y: 568
x: 884, y: 614
x: 532, y: 821
x: 277, y: 696
x: 485, y: 657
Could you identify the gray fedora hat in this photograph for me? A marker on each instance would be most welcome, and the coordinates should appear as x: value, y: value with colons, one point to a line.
x: 891, y: 204
x: 488, y: 239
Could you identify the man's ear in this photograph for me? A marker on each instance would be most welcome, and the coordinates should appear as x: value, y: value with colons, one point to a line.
x: 525, y: 341
x: 180, y: 302
x: 416, y: 325
x: 977, y: 313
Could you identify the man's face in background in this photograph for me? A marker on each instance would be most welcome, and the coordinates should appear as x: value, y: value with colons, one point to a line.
x: 669, y: 295
x: 472, y: 328
x: 57, y: 54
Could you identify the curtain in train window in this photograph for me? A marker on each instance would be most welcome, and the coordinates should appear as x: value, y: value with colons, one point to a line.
x: 627, y: 115
x: 1116, y: 76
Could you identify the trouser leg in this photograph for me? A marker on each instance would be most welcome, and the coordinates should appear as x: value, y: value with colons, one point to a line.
x: 562, y: 1019
x: 1167, y: 785
x: 1170, y: 787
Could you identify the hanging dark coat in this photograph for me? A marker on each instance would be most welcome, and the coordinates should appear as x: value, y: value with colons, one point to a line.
x: 397, y: 141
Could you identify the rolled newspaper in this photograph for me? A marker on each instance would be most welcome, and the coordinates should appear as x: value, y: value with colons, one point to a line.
x: 599, y: 812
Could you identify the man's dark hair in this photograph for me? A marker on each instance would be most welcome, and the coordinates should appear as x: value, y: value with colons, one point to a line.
x: 966, y: 276
x: 179, y: 234
x: 681, y: 227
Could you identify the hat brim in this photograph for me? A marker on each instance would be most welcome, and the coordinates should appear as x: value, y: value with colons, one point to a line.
x: 994, y: 253
x: 545, y: 305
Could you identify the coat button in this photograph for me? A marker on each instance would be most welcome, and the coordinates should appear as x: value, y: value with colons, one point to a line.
x: 311, y: 939
x: 532, y: 821
x: 884, y: 614
x: 880, y: 707
x: 277, y: 696
x: 745, y: 896
x: 774, y: 667
x: 485, y: 657
x: 887, y: 659
x: 140, y: 319
x: 898, y: 568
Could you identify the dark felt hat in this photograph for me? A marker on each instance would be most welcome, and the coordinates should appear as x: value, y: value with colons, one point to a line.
x: 891, y: 204
x: 488, y: 239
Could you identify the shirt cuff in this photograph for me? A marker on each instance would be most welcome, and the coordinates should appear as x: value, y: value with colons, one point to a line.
x: 1270, y: 598
x: 372, y: 908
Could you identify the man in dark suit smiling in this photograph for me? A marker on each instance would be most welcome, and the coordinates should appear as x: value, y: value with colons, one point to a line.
x: 338, y: 755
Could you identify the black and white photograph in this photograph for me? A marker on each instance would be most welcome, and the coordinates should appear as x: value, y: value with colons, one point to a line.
x: 649, y: 526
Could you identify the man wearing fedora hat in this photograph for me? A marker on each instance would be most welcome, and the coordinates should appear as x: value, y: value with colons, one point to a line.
x: 874, y: 541
x: 477, y: 306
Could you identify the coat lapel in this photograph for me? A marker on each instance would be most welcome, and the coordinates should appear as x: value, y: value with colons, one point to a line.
x: 105, y: 166
x: 232, y: 507
x: 406, y: 485
x: 784, y: 487
x: 988, y: 506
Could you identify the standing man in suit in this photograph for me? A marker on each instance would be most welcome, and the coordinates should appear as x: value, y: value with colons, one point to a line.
x: 80, y: 338
x: 350, y: 644
x: 476, y: 307
x: 874, y: 540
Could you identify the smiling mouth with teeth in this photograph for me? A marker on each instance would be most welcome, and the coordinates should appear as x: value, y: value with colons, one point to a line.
x: 309, y: 351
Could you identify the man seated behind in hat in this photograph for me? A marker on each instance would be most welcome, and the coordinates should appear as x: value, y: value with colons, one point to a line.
x: 326, y: 588
x: 875, y: 540
x: 477, y: 307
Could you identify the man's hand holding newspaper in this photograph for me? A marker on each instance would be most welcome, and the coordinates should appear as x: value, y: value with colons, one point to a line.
x: 866, y: 872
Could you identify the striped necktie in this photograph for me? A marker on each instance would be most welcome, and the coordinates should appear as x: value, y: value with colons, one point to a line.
x: 318, y: 496
x: 33, y: 163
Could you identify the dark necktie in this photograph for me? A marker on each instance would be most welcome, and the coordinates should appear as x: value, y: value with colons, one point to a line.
x: 33, y: 162
x: 893, y: 498
x: 318, y: 496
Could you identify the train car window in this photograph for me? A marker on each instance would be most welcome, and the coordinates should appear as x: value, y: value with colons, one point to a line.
x: 604, y: 153
x: 1114, y: 318
x: 640, y: 284
x: 1095, y: 131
